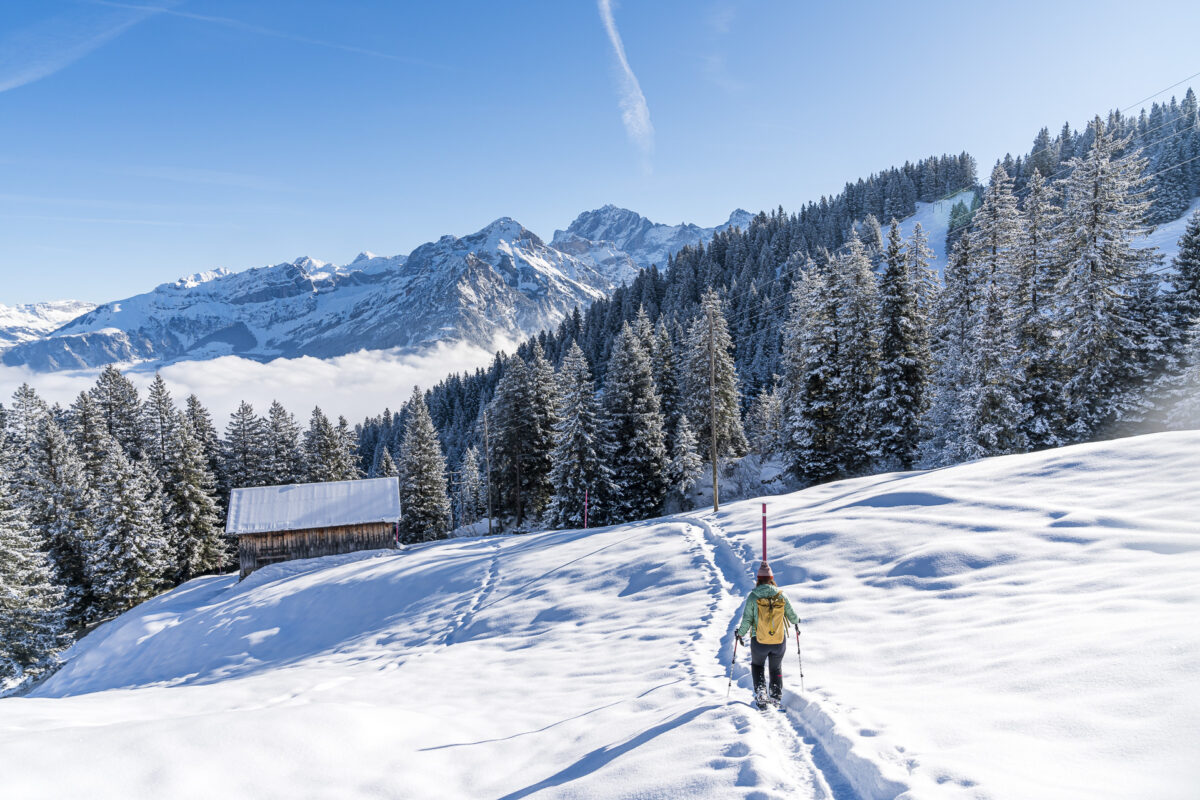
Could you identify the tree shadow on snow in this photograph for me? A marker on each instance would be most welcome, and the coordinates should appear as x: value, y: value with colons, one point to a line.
x: 603, y: 756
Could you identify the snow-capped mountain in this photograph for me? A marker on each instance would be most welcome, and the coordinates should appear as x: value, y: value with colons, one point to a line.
x: 502, y: 281
x: 24, y: 323
x: 618, y: 229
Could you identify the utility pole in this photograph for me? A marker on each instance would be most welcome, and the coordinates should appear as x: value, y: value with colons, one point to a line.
x: 712, y: 403
x: 487, y: 452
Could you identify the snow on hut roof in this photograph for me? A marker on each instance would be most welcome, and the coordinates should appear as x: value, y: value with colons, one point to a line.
x: 313, y: 505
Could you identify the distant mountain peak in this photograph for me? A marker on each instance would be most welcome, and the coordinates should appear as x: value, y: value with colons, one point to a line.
x: 645, y: 241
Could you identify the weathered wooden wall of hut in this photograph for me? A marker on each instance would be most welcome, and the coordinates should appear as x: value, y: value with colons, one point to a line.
x: 259, y: 549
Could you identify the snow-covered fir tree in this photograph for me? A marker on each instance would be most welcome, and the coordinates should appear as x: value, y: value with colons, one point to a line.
x: 857, y: 363
x: 120, y: 407
x: 244, y: 449
x: 686, y: 464
x: 32, y: 607
x: 470, y: 490
x: 284, y: 459
x: 813, y: 437
x: 544, y: 412
x: 897, y: 402
x: 194, y: 531
x: 1185, y: 395
x: 663, y: 365
x: 130, y: 561
x: 1033, y: 297
x: 423, y: 499
x: 992, y: 414
x: 205, y: 432
x: 386, y: 467
x: 635, y: 428
x: 89, y: 436
x: 764, y: 425
x: 62, y: 506
x: 1104, y: 210
x: 580, y: 449
x: 513, y: 428
x: 1183, y: 295
x: 952, y: 344
x: 325, y: 456
x: 708, y: 352
x: 158, y: 419
x: 345, y: 465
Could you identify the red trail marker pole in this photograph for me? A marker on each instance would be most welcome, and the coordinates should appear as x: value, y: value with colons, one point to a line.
x: 764, y: 505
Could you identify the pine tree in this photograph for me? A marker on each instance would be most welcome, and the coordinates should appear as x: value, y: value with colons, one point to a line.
x: 1185, y: 413
x: 130, y: 560
x: 765, y: 422
x: 206, y: 433
x: 244, y: 449
x: 812, y: 400
x: 1183, y: 296
x: 544, y: 413
x: 62, y: 506
x: 994, y: 420
x: 993, y: 416
x: 89, y: 436
x: 709, y: 350
x: 580, y: 451
x: 896, y: 404
x: 686, y: 464
x: 470, y: 487
x: 386, y: 468
x: 663, y: 366
x: 857, y: 364
x: 513, y: 428
x: 634, y: 417
x: 158, y: 419
x: 1104, y: 206
x: 284, y: 458
x: 32, y: 607
x: 120, y: 407
x: 193, y: 522
x: 423, y: 500
x: 945, y: 426
x: 322, y: 449
x: 345, y: 461
x: 1033, y: 297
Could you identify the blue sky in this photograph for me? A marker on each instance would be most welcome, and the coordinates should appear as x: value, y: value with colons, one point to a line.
x: 144, y: 140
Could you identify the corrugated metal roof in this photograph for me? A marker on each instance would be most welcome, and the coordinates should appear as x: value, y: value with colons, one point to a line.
x: 313, y: 505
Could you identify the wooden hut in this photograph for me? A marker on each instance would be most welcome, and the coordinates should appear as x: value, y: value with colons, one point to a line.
x: 281, y: 523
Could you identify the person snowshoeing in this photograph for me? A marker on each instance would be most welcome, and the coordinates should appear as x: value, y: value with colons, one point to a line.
x: 765, y: 613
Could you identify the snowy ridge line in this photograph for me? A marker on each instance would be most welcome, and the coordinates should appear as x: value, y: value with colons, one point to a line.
x: 846, y: 773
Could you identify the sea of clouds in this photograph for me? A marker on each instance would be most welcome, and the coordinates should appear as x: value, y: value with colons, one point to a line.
x: 356, y: 385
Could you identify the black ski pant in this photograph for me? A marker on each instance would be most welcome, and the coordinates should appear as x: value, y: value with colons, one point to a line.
x: 760, y: 656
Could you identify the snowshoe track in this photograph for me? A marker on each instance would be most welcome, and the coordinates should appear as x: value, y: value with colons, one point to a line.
x: 804, y: 735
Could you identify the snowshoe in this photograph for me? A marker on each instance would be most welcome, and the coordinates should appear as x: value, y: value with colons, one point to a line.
x: 762, y: 701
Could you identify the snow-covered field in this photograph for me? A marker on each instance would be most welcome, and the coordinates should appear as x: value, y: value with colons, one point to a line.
x: 1023, y: 627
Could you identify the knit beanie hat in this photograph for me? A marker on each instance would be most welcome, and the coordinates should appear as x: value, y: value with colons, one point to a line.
x: 764, y: 571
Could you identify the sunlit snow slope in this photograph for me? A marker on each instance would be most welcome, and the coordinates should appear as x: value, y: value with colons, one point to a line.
x: 1023, y: 627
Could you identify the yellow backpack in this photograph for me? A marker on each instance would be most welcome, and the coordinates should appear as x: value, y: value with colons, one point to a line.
x: 771, y: 627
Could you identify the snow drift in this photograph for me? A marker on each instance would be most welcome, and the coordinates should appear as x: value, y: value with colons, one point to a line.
x: 1021, y: 627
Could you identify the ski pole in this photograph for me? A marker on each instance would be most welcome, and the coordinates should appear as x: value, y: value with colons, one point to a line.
x: 799, y: 658
x: 732, y: 661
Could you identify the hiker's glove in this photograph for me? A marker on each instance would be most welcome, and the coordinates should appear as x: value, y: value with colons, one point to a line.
x: 740, y: 640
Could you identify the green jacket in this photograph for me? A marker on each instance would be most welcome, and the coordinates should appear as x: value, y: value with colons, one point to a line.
x: 750, y: 612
